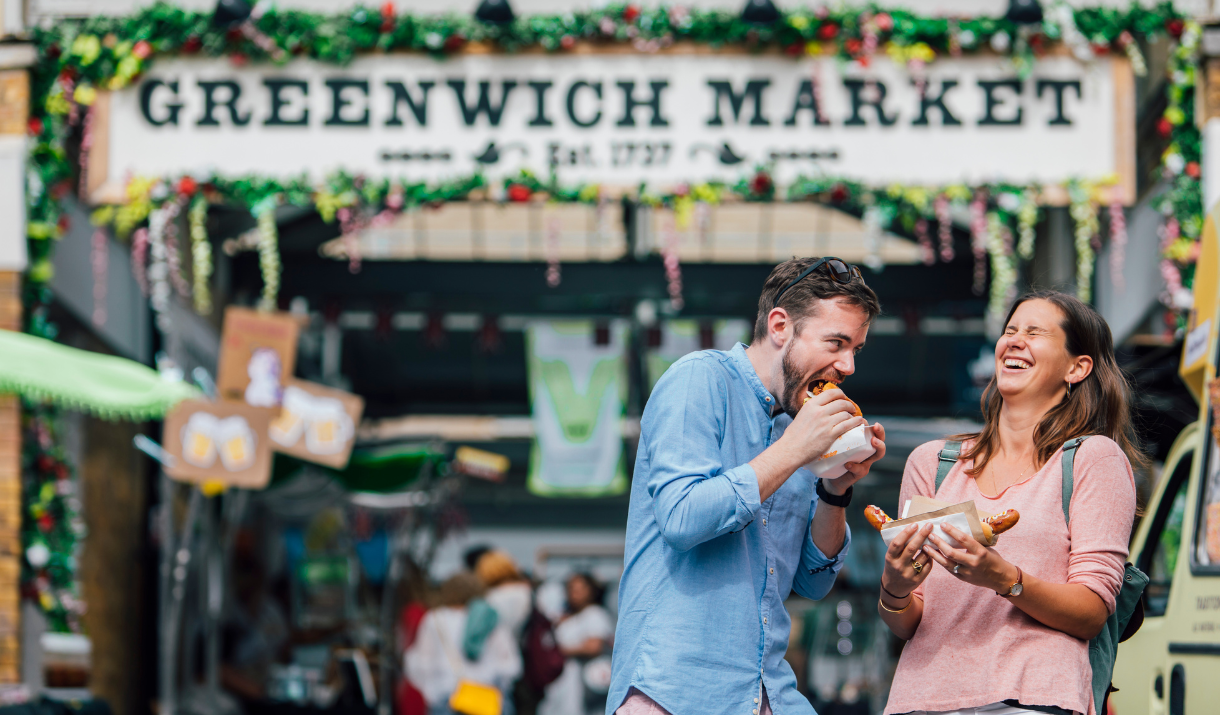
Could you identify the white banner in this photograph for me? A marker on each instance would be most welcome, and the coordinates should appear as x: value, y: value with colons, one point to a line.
x: 625, y: 119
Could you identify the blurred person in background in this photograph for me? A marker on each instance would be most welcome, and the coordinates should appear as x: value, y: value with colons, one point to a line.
x: 461, y: 639
x: 584, y: 632
x: 508, y: 592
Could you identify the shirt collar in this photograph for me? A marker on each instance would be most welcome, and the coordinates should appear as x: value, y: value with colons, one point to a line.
x: 748, y: 373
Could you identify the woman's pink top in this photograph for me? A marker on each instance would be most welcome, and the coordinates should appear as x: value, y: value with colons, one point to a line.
x: 972, y: 647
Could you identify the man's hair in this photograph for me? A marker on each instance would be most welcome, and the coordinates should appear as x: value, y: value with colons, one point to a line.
x: 800, y: 301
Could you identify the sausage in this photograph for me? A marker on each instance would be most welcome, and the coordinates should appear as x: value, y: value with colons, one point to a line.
x: 876, y: 517
x: 1003, y: 521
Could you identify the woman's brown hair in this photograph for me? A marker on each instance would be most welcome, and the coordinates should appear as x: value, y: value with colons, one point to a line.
x: 1100, y: 404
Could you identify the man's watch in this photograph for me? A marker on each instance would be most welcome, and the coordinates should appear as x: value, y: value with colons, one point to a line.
x: 831, y: 499
x: 1016, y: 588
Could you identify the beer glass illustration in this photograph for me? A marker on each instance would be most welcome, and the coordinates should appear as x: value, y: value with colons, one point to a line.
x: 287, y: 428
x: 329, y: 427
x: 198, y: 440
x: 235, y: 442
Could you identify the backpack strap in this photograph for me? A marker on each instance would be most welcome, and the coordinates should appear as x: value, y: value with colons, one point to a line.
x: 1069, y: 457
x: 949, y: 454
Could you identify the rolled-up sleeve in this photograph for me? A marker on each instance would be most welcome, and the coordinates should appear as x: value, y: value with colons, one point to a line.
x: 1102, y: 509
x: 694, y: 497
x: 817, y: 572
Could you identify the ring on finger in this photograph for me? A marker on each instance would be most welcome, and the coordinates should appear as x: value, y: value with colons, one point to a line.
x: 916, y: 565
x: 955, y: 568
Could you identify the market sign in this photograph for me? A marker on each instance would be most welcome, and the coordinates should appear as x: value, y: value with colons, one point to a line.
x: 625, y: 119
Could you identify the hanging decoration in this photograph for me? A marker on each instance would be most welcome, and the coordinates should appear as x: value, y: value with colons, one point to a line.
x: 673, y: 267
x: 1118, y: 245
x: 268, y: 252
x: 552, y: 252
x: 978, y: 239
x: 1084, y: 213
x: 158, y: 264
x: 139, y: 253
x: 52, y: 527
x: 99, y: 259
x: 1027, y: 222
x: 201, y: 256
x: 1003, y: 271
x: 944, y: 227
x: 927, y: 252
x: 173, y: 256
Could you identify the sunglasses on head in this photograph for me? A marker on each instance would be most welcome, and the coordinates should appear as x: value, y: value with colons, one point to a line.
x: 840, y: 271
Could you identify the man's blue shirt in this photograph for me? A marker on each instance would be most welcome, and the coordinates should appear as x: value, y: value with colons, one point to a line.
x: 707, y: 567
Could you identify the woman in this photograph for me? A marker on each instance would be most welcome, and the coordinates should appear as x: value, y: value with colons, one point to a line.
x: 508, y: 591
x: 583, y: 633
x: 440, y: 657
x: 979, y: 643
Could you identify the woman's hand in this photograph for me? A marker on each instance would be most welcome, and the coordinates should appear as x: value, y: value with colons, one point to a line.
x: 901, y: 576
x: 973, y: 563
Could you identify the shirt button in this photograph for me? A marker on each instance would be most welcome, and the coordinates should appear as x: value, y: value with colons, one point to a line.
x: 755, y: 701
x: 755, y: 711
x: 772, y: 570
x: 764, y: 522
x: 764, y: 623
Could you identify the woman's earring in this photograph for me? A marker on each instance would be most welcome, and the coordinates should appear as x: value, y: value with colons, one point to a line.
x: 1069, y: 388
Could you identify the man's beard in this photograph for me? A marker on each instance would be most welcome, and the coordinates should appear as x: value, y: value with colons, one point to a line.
x: 792, y: 398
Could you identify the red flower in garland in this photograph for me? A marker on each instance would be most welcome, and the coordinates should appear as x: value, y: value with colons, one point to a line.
x: 64, y: 223
x: 142, y: 49
x: 838, y: 194
x: 567, y: 42
x: 852, y: 46
x: 1100, y: 48
x: 796, y: 49
x: 234, y: 34
x: 192, y: 45
x: 454, y: 42
x: 53, y: 52
x: 34, y: 126
x: 68, y: 74
x: 387, y: 17
x: 828, y: 31
x: 44, y: 463
x: 1037, y: 42
x: 187, y: 186
x: 239, y: 59
x: 761, y: 184
x: 519, y: 193
x: 1164, y: 127
x: 62, y: 189
x: 631, y: 13
x: 885, y: 23
x: 1193, y: 170
x: 1176, y: 27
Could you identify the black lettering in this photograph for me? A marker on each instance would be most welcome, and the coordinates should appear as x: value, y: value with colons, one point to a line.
x: 276, y: 87
x: 806, y: 100
x: 858, y: 102
x: 483, y: 106
x: 925, y: 103
x: 1058, y: 86
x: 146, y: 93
x: 630, y: 103
x: 576, y: 87
x: 338, y: 102
x: 401, y: 96
x: 989, y: 88
x: 753, y: 91
x: 210, y: 104
x: 540, y: 118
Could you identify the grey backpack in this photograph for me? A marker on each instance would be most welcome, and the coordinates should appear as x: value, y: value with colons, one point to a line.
x: 1125, y: 620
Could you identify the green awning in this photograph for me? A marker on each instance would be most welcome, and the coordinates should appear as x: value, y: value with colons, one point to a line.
x: 385, y: 469
x: 110, y: 387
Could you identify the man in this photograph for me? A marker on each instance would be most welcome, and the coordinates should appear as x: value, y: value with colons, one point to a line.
x: 724, y: 522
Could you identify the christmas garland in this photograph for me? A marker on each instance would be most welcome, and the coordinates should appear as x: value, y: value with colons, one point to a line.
x: 78, y: 57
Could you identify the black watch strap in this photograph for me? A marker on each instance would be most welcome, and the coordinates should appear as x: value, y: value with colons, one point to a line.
x: 831, y: 499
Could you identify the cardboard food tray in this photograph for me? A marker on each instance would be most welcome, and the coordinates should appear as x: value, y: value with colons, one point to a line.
x: 854, y: 446
x: 963, y: 516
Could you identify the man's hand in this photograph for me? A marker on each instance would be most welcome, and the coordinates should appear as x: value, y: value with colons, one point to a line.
x: 857, y: 470
x: 822, y: 420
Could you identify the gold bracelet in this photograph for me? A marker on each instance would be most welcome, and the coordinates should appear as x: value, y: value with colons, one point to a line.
x: 901, y: 610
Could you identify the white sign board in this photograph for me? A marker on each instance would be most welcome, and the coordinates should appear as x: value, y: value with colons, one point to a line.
x: 625, y: 119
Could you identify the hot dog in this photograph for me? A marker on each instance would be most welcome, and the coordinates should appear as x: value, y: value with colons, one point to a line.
x: 993, y: 526
x: 818, y: 386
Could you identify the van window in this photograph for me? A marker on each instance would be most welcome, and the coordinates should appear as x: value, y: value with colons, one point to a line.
x: 1160, y: 556
x: 1207, y: 527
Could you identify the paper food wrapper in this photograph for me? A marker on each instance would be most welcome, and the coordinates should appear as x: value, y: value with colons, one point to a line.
x: 963, y: 517
x: 855, y: 446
